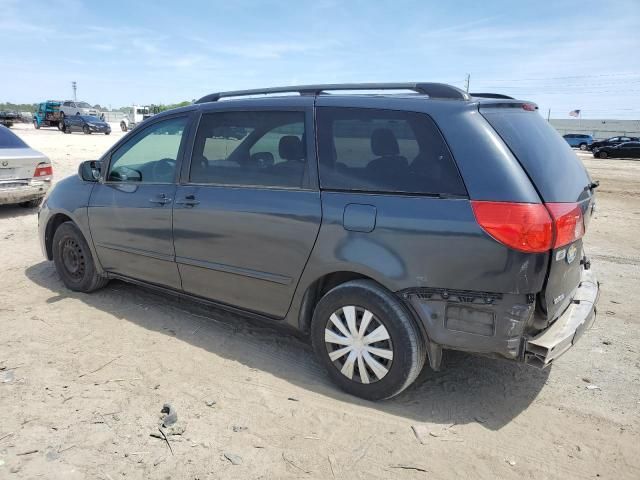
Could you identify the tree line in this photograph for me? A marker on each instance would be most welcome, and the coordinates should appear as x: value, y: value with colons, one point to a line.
x: 32, y: 107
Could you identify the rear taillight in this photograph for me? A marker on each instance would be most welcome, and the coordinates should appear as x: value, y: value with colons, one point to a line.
x: 531, y: 227
x: 526, y: 227
x: 568, y: 222
x: 43, y: 170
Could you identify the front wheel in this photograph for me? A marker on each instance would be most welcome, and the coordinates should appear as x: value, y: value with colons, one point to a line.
x: 123, y: 126
x: 36, y: 125
x: 602, y: 154
x: 73, y: 260
x: 86, y: 130
x: 367, y: 340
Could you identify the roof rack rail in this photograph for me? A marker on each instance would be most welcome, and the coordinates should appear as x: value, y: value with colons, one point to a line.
x: 433, y: 90
x: 491, y: 95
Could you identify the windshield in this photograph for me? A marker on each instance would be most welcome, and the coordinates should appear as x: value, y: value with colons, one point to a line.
x: 83, y: 105
x: 8, y: 139
x: 90, y: 118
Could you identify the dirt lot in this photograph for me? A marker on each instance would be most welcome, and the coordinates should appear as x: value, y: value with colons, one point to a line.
x: 83, y: 379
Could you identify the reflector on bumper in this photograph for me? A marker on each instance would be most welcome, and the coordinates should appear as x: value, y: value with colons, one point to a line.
x: 548, y: 345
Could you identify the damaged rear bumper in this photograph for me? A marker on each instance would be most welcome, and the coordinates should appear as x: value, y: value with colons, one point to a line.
x: 542, y: 349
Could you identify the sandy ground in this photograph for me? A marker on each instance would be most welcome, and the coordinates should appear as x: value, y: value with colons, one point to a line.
x: 83, y: 379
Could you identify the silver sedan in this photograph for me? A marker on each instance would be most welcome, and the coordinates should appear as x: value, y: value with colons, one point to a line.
x: 25, y: 173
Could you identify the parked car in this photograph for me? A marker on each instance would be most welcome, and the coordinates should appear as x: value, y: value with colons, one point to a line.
x: 387, y: 227
x: 25, y: 173
x: 623, y: 150
x: 70, y: 107
x: 578, y: 140
x: 137, y: 115
x: 9, y: 118
x: 85, y: 123
x: 609, y: 142
x: 48, y: 115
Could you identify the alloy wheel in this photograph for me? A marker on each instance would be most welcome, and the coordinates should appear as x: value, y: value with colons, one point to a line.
x: 358, y: 344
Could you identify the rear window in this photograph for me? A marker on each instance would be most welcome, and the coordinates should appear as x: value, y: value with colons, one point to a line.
x: 554, y: 168
x: 8, y: 139
x: 384, y: 151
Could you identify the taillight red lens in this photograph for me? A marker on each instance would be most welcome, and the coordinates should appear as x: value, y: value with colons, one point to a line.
x: 43, y: 170
x: 568, y: 221
x: 522, y: 226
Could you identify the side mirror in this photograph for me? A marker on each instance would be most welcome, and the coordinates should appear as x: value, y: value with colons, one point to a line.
x: 90, y: 170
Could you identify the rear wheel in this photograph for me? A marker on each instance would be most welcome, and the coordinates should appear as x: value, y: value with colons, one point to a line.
x: 86, y: 130
x: 73, y: 260
x: 367, y: 340
x: 602, y: 154
x: 583, y: 146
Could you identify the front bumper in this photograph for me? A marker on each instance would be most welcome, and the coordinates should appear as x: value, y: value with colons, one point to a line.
x: 100, y: 129
x: 545, y: 347
x: 17, y: 191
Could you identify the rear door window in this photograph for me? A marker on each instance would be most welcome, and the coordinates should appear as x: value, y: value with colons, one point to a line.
x: 263, y: 149
x: 384, y: 151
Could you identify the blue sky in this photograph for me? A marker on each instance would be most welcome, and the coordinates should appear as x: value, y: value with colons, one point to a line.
x: 563, y: 54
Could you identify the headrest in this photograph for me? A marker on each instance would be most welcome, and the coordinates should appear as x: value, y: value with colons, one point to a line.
x: 384, y: 143
x: 291, y: 148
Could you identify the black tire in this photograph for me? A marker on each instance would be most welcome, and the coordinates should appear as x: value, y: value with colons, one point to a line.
x: 86, y: 130
x: 73, y: 260
x: 35, y: 203
x: 123, y: 126
x: 602, y: 155
x: 406, y: 341
x: 107, y: 133
x: 583, y: 146
x: 36, y: 125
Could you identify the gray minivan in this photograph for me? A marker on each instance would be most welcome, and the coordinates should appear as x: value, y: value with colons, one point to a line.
x: 388, y: 226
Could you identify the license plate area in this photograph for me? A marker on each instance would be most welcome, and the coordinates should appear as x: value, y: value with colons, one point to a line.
x: 7, y: 173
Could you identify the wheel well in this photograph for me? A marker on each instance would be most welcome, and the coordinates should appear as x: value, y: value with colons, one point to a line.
x: 55, y: 221
x: 318, y: 289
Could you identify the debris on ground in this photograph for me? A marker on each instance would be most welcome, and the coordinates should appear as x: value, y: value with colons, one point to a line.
x: 209, y: 403
x: 423, y: 432
x: 238, y: 428
x: 233, y: 458
x: 409, y: 467
x: 593, y: 387
x: 171, y: 416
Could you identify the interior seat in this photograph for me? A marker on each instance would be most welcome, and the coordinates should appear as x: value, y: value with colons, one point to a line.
x: 384, y: 145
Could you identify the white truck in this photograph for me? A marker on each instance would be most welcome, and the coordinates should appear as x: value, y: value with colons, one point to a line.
x: 137, y: 114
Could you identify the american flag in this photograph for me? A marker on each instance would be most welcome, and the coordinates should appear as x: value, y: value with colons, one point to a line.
x: 574, y: 113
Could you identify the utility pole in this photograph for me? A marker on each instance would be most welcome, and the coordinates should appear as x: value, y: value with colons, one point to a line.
x: 548, y: 114
x: 467, y: 81
x: 74, y: 85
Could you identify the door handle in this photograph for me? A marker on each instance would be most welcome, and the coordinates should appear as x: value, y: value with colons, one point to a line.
x: 189, y: 201
x: 161, y: 199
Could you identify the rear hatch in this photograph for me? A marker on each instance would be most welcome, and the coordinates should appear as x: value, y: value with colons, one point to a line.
x: 564, y: 186
x: 19, y: 163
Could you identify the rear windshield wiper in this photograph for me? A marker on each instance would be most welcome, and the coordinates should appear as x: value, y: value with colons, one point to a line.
x: 592, y: 185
